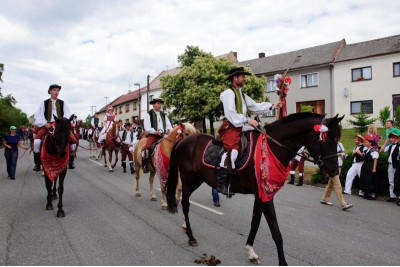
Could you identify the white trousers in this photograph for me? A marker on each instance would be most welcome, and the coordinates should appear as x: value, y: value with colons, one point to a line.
x: 354, y: 170
x: 234, y: 154
x: 391, y: 172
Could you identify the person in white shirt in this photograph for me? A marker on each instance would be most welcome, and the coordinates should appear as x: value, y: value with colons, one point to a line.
x: 156, y: 125
x: 334, y: 183
x: 128, y: 142
x: 236, y: 104
x: 355, y: 169
x: 393, y: 162
x: 44, y: 119
x: 298, y: 161
x: 109, y: 120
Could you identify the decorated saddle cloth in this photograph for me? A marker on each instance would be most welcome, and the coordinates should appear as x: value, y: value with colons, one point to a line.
x: 214, y: 150
x: 53, y: 165
x: 270, y: 173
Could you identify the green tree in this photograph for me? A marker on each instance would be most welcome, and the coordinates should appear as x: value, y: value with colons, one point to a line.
x: 384, y: 115
x: 10, y: 115
x: 397, y: 117
x: 194, y: 92
x: 88, y: 120
x: 361, y: 122
x: 191, y: 53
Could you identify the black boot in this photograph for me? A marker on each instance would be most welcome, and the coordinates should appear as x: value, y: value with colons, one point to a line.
x: 132, y: 167
x: 291, y: 181
x: 71, y: 162
x: 36, y: 159
x: 144, y: 162
x: 222, y: 183
x: 300, y: 183
x: 124, y: 166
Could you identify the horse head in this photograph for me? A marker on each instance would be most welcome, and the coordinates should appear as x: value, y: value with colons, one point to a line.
x: 322, y: 144
x: 181, y: 131
x: 61, y: 134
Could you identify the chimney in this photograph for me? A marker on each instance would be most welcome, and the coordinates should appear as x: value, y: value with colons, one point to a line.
x: 235, y: 55
x: 261, y: 55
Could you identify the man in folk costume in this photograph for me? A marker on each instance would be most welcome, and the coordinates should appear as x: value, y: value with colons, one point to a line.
x: 128, y: 142
x: 298, y: 161
x: 74, y: 123
x: 109, y: 120
x: 44, y: 119
x: 236, y: 104
x: 156, y: 125
x: 393, y: 162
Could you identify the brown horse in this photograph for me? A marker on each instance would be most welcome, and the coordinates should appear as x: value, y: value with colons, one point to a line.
x: 286, y: 137
x: 111, y: 146
x: 163, y: 148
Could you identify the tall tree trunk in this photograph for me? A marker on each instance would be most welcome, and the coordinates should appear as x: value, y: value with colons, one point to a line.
x: 211, y: 125
x: 204, y: 126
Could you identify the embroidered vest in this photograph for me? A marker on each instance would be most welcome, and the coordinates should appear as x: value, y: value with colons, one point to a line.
x: 395, y: 161
x: 48, y: 109
x: 357, y: 157
x: 153, y: 120
x: 96, y: 122
x: 124, y: 136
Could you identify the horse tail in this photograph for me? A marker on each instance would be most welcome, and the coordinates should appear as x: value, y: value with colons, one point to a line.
x: 172, y: 182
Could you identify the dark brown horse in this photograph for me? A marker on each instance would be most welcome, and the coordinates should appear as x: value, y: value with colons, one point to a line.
x: 288, y: 135
x: 55, y: 157
x: 111, y: 146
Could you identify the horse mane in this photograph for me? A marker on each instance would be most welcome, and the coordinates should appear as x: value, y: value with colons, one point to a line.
x: 190, y: 127
x: 294, y: 117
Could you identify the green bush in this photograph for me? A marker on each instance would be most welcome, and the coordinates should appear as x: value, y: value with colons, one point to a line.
x: 397, y: 121
x: 361, y: 122
x: 384, y: 115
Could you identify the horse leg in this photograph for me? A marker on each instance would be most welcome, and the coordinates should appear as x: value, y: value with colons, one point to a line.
x: 268, y: 209
x: 137, y: 176
x: 179, y: 191
x: 255, y: 223
x: 164, y: 205
x: 153, y: 196
x: 110, y: 168
x: 103, y: 153
x: 60, y: 212
x: 49, y: 205
x: 54, y: 191
x: 116, y: 158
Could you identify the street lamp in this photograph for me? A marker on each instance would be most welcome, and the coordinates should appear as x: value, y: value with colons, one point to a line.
x: 140, y: 99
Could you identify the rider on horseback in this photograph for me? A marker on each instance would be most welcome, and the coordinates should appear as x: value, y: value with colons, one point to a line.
x: 109, y: 120
x: 44, y: 118
x: 236, y: 105
x: 128, y: 141
x: 156, y: 125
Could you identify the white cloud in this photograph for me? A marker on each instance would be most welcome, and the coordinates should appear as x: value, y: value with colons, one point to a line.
x: 96, y: 49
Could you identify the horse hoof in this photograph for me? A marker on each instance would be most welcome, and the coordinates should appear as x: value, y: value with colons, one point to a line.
x: 255, y: 261
x: 193, y: 243
x: 153, y: 199
x: 49, y: 207
x: 105, y: 165
x: 164, y: 207
x: 110, y: 171
x: 53, y: 197
x: 138, y: 195
x: 60, y: 214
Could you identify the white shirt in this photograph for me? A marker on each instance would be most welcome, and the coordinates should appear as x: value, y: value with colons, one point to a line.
x: 391, y: 152
x: 227, y: 98
x: 93, y: 125
x: 340, y: 149
x: 299, y: 153
x: 127, y: 140
x: 374, y: 154
x: 149, y: 129
x: 40, y: 119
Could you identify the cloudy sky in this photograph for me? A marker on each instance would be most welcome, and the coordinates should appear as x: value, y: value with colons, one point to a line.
x: 100, y: 48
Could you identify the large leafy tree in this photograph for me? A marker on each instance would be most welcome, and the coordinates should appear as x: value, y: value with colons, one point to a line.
x: 10, y: 115
x: 193, y: 94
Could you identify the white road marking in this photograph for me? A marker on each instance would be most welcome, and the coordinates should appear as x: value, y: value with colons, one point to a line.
x: 202, y: 206
x: 96, y: 162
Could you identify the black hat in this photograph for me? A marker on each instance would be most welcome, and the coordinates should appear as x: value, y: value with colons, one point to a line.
x: 53, y: 86
x: 236, y: 71
x: 127, y: 124
x: 155, y: 100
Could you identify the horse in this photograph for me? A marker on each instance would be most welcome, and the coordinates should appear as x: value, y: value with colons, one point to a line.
x: 94, y: 145
x: 161, y: 166
x: 111, y: 145
x: 55, y: 157
x: 285, y: 137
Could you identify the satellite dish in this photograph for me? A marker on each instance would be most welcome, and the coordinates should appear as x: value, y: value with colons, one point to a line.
x: 346, y: 92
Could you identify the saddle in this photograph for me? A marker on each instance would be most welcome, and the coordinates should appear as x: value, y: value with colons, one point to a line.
x: 215, y: 149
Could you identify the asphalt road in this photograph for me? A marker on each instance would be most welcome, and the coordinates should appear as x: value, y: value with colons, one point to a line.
x: 106, y: 224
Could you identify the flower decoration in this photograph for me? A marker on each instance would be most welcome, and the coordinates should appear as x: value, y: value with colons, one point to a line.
x: 282, y: 83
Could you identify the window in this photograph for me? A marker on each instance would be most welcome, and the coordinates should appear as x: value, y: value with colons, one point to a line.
x: 361, y: 74
x: 361, y: 106
x: 120, y: 109
x: 134, y: 105
x: 127, y: 108
x: 317, y: 106
x: 396, y: 69
x: 270, y: 86
x: 271, y: 113
x: 309, y: 80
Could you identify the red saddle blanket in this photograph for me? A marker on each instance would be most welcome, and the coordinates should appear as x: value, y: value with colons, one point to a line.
x: 270, y: 173
x: 53, y: 165
x: 161, y: 163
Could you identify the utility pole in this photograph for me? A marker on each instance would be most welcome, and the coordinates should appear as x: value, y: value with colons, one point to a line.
x: 148, y: 90
x: 92, y: 109
x: 140, y: 103
x: 106, y: 97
